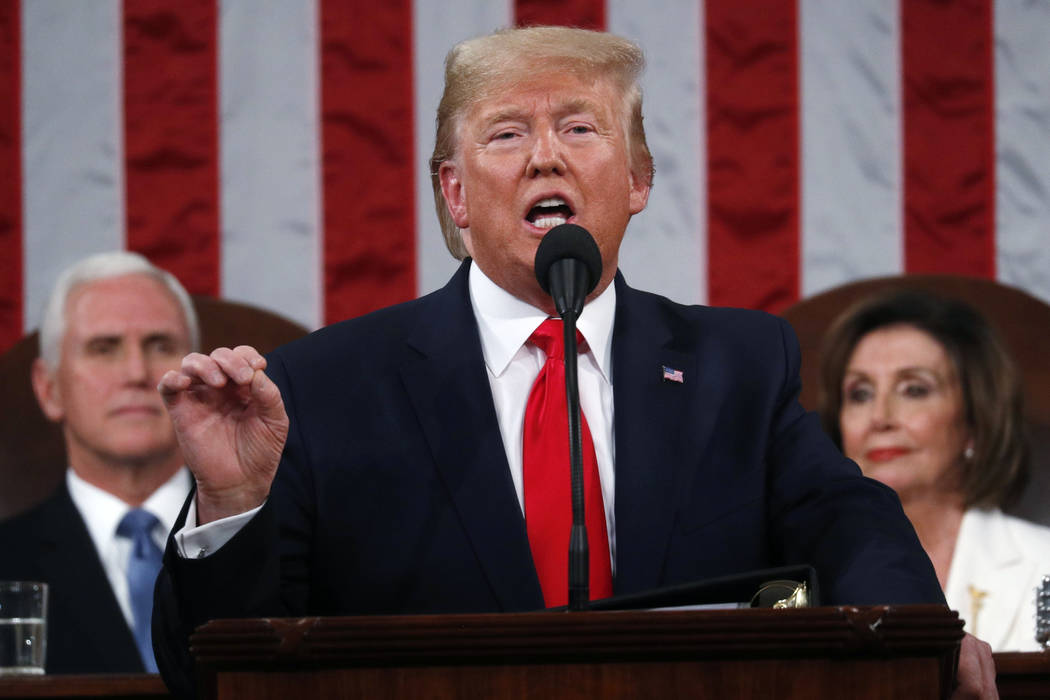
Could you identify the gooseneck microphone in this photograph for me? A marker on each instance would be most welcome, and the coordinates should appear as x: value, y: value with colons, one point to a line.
x: 568, y: 267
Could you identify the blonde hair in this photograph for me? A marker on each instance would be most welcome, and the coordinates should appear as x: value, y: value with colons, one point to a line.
x: 477, y: 69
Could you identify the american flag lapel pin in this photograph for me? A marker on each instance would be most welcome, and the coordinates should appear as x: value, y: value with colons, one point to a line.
x: 673, y: 375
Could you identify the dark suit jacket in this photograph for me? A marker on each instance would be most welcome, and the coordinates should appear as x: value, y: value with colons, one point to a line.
x: 394, y: 494
x: 86, y: 631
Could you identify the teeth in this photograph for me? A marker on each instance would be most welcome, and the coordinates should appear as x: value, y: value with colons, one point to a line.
x: 549, y: 221
x: 549, y: 212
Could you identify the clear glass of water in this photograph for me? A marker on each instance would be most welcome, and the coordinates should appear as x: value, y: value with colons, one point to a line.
x: 23, y: 627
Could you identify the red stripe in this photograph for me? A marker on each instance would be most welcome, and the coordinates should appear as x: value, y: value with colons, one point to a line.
x: 949, y: 136
x: 589, y: 14
x: 752, y: 153
x: 171, y: 137
x: 10, y: 174
x: 367, y: 104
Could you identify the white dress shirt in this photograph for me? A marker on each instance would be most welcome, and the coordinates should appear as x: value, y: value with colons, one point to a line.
x: 504, y: 324
x: 102, y: 513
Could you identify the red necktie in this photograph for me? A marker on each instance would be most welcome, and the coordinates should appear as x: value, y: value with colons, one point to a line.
x: 547, y: 481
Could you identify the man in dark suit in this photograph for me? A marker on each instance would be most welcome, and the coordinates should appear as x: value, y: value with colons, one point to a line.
x: 113, y: 326
x: 403, y: 437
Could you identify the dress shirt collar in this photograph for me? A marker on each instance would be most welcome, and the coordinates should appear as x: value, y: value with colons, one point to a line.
x: 103, y: 511
x: 506, y: 322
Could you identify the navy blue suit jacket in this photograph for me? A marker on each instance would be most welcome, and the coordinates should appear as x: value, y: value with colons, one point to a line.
x: 394, y: 494
x: 86, y: 630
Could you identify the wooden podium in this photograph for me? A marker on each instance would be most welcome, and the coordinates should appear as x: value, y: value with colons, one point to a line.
x: 874, y: 652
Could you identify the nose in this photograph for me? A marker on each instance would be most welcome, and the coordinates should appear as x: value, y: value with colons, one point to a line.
x: 884, y: 413
x: 136, y: 365
x: 546, y: 157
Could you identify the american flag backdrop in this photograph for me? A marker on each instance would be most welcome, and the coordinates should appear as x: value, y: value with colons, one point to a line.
x: 274, y: 151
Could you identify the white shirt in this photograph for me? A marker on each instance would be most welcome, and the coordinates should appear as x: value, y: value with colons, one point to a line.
x: 504, y: 324
x: 102, y: 513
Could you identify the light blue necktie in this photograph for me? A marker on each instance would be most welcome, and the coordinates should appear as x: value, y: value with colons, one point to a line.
x: 143, y: 567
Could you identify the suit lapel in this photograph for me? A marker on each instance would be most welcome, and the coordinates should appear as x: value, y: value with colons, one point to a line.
x: 85, y: 599
x: 658, y: 434
x: 997, y: 571
x: 449, y: 390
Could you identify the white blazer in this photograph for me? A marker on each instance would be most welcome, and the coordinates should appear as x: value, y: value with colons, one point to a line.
x: 999, y: 561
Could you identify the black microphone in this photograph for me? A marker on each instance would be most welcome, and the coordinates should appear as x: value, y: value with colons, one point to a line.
x: 568, y: 267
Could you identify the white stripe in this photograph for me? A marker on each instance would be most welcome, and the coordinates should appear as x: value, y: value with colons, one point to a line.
x: 851, y: 142
x: 665, y: 249
x: 72, y: 139
x: 271, y: 222
x: 1022, y: 86
x: 436, y: 27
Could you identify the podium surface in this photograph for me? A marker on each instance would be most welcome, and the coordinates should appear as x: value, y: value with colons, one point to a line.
x: 868, y: 652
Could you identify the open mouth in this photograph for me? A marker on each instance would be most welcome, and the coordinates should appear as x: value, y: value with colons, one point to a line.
x: 550, y: 212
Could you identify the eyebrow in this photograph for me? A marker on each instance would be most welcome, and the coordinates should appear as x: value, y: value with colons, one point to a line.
x: 119, y: 337
x: 572, y: 106
x: 507, y: 114
x: 898, y: 372
x: 103, y: 338
x: 171, y: 339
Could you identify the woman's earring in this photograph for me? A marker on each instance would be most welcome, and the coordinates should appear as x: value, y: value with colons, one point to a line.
x: 969, y: 452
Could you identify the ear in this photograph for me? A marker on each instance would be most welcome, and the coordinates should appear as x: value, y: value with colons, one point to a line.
x: 454, y: 192
x: 639, y: 193
x: 46, y: 390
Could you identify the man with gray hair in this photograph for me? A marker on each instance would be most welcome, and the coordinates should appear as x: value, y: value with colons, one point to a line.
x: 113, y: 325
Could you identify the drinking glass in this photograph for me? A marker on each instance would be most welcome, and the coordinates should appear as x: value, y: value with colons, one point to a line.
x: 23, y: 627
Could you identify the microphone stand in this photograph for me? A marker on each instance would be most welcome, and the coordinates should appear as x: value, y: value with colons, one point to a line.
x: 569, y: 286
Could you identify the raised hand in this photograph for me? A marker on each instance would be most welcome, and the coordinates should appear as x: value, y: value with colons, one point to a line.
x: 231, y: 426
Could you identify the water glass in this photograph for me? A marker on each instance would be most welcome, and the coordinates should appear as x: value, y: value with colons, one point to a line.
x: 23, y: 627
